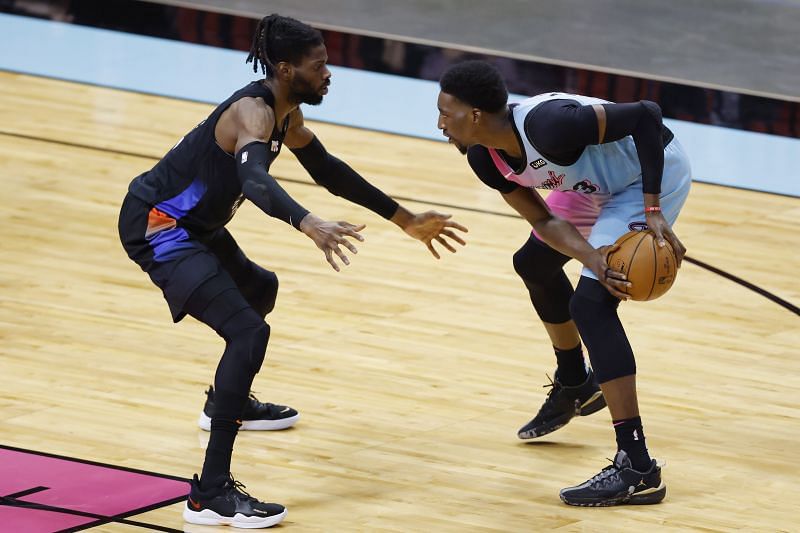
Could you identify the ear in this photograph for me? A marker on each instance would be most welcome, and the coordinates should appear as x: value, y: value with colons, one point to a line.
x: 284, y: 70
x: 476, y: 115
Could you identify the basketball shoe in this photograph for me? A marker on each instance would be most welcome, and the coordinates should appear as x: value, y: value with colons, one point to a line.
x: 562, y: 404
x: 257, y: 416
x: 618, y: 484
x: 227, y: 504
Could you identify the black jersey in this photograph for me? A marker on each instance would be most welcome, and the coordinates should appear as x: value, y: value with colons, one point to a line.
x: 195, y: 187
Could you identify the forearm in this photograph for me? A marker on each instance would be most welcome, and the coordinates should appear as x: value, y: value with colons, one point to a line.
x: 564, y: 237
x: 338, y: 178
x: 262, y: 189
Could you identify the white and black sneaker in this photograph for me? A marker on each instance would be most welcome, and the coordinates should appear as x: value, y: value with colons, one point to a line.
x: 618, y: 484
x: 257, y: 416
x: 228, y: 504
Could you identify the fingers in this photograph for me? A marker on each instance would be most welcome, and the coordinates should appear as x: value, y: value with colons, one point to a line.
x: 445, y: 244
x: 432, y: 249
x: 678, y: 248
x: 341, y: 255
x: 329, y: 258
x: 352, y: 230
x: 616, y: 283
x: 347, y: 244
x: 453, y: 236
x: 456, y: 225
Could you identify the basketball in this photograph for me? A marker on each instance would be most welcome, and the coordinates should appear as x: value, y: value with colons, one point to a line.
x: 650, y: 268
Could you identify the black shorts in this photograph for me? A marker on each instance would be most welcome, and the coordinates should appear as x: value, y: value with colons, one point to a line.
x: 178, y: 261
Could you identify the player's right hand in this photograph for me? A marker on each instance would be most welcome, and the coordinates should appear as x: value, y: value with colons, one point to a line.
x: 614, y: 281
x: 328, y: 236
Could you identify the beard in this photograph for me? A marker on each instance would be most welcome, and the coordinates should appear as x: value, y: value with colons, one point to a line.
x: 461, y: 148
x: 304, y: 93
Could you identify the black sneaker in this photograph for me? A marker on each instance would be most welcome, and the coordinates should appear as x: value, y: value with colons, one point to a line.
x: 257, y: 416
x: 618, y: 484
x: 562, y: 404
x: 229, y: 505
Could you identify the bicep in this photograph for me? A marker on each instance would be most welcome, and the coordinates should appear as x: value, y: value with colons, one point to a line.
x: 253, y: 122
x: 297, y: 135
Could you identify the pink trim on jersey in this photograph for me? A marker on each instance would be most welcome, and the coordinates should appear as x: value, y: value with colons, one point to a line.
x: 575, y: 207
x: 505, y: 169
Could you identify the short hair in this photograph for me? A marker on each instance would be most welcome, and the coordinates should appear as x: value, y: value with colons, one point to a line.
x: 477, y: 83
x: 279, y: 39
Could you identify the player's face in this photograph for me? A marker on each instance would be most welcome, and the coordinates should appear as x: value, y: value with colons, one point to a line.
x: 455, y: 121
x: 311, y: 77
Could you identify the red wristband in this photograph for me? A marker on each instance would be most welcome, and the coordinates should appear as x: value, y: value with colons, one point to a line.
x: 652, y: 209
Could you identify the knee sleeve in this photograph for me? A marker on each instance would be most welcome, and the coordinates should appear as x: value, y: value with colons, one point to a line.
x: 264, y: 292
x: 594, y: 311
x: 540, y: 268
x: 247, y: 336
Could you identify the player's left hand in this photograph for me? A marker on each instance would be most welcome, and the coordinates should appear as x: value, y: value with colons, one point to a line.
x: 660, y: 227
x: 432, y: 226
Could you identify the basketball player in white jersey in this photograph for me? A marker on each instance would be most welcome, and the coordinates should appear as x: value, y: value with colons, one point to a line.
x: 610, y: 168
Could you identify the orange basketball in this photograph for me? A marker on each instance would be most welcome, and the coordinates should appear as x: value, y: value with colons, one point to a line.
x: 650, y: 268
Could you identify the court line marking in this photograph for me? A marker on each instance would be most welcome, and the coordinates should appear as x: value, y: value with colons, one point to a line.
x: 731, y: 277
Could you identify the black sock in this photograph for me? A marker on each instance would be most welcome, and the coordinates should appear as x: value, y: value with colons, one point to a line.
x: 630, y: 438
x: 571, y: 367
x: 218, y: 452
x: 224, y: 427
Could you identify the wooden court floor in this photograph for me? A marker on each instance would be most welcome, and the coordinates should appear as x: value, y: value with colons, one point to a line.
x: 411, y: 375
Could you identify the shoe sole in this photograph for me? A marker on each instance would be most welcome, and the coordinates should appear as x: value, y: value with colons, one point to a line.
x: 207, y: 517
x: 254, y: 425
x: 535, y: 434
x: 650, y: 497
x: 595, y: 403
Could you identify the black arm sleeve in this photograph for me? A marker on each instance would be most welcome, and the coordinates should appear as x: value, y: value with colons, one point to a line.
x: 642, y: 120
x: 561, y: 129
x: 262, y: 189
x: 481, y: 162
x: 341, y: 180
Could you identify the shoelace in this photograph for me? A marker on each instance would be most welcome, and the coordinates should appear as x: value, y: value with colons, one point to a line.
x: 603, y: 478
x: 554, y: 386
x: 259, y: 403
x: 239, y: 487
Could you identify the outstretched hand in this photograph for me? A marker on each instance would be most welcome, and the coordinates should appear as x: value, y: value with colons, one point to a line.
x: 328, y: 236
x: 660, y: 227
x: 432, y: 226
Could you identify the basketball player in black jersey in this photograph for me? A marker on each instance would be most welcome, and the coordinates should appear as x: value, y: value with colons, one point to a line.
x: 172, y: 224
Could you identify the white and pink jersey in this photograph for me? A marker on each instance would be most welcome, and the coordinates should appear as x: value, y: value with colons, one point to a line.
x: 601, y: 171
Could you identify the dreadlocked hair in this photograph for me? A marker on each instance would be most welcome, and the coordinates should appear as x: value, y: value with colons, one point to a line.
x: 279, y: 39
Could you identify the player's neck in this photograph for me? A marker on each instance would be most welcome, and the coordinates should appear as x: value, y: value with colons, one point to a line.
x: 283, y: 104
x: 499, y: 134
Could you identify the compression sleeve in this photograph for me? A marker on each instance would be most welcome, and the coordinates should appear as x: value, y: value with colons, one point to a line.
x: 561, y: 129
x: 481, y: 162
x: 262, y: 189
x: 341, y: 180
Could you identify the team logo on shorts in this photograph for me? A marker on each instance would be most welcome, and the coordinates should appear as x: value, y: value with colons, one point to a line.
x: 638, y: 226
x: 276, y: 145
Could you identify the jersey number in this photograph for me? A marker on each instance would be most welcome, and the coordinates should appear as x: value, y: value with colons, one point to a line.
x: 585, y: 186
